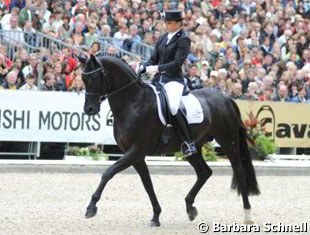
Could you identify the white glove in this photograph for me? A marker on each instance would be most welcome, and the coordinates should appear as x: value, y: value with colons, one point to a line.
x: 152, y: 69
x: 140, y: 68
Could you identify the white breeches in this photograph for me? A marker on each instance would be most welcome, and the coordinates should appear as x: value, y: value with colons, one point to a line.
x: 174, y: 92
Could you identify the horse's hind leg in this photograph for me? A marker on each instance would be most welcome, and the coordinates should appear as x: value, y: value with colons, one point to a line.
x: 127, y: 160
x: 144, y: 173
x: 203, y: 172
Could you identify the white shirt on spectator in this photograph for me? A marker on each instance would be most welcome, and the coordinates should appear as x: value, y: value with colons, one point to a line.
x: 14, y: 35
x: 26, y: 87
x: 119, y: 38
x: 5, y: 21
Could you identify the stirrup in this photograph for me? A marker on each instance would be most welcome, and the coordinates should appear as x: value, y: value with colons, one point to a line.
x: 188, y: 148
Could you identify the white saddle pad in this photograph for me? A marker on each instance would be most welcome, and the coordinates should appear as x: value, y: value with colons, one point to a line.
x: 194, y: 113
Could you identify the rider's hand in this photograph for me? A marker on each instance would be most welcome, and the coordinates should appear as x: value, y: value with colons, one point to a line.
x: 140, y: 69
x: 152, y: 69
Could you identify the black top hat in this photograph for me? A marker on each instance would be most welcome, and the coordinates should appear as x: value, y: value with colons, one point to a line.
x: 173, y: 15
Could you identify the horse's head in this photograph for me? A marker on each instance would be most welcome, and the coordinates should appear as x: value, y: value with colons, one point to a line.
x: 94, y: 78
x: 104, y: 77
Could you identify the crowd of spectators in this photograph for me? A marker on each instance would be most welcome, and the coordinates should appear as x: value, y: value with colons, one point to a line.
x: 252, y: 50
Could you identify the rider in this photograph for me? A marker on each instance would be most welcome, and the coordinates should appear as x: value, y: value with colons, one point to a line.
x: 171, y: 50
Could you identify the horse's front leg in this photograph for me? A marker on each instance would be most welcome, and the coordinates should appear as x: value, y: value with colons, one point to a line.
x: 127, y: 160
x: 203, y: 172
x: 144, y: 173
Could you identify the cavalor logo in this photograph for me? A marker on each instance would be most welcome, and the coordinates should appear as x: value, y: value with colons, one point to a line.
x: 265, y: 116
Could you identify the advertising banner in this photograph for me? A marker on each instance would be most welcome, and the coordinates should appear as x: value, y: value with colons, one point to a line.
x: 52, y: 117
x: 287, y: 123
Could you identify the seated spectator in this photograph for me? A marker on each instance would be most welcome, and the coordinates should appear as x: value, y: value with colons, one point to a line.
x: 10, y: 81
x: 30, y: 83
x: 8, y: 61
x: 132, y: 42
x: 60, y: 76
x: 77, y: 34
x: 300, y: 98
x: 17, y: 68
x: 73, y: 75
x: 267, y: 94
x: 91, y: 36
x: 233, y: 77
x: 30, y: 34
x: 68, y: 58
x: 236, y: 91
x: 32, y: 67
x: 49, y: 82
x: 266, y: 47
x: 204, y: 70
x: 25, y: 14
x: 251, y: 93
x: 5, y: 20
x: 193, y: 79
x: 282, y: 94
x: 48, y: 67
x: 3, y: 69
x: 120, y: 35
x: 77, y: 85
x: 95, y: 48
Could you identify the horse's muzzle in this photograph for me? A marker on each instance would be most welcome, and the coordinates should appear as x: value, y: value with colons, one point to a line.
x: 90, y: 110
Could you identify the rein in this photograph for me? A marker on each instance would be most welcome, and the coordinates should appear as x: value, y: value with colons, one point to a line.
x: 101, y: 96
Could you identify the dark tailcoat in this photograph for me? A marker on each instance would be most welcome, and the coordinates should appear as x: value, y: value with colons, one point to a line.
x: 170, y: 57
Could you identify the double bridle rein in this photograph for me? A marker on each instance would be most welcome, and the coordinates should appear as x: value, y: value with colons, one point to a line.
x: 102, y: 96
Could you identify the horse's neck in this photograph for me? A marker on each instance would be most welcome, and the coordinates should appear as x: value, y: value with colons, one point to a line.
x: 130, y: 100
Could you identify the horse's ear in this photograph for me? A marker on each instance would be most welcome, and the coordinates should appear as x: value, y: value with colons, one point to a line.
x: 81, y: 58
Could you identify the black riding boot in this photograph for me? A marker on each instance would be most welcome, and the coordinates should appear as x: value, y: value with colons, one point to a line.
x: 188, y: 147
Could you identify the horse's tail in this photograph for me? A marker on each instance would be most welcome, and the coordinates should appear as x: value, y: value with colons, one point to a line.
x: 246, y: 160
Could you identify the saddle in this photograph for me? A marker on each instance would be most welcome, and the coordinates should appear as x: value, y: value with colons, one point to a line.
x: 190, y: 106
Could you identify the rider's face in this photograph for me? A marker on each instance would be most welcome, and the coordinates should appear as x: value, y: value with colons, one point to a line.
x: 172, y: 26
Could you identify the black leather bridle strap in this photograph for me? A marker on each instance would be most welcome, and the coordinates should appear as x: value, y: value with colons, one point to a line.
x: 109, y: 94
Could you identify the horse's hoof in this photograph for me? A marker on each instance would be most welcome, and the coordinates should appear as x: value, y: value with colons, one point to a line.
x: 154, y: 223
x: 248, y: 222
x: 192, y: 213
x: 91, y: 212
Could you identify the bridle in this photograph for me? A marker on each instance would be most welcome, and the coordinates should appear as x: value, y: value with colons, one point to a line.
x: 104, y: 81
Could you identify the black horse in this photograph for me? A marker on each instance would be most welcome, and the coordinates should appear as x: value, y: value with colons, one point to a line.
x: 137, y: 130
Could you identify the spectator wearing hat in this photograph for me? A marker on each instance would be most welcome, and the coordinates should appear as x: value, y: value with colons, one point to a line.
x: 30, y: 83
x: 171, y: 51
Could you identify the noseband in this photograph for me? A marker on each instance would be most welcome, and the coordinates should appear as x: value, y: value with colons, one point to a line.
x: 104, y: 81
